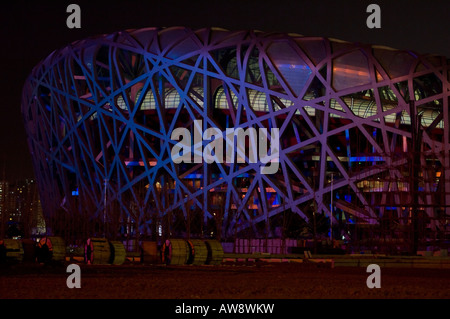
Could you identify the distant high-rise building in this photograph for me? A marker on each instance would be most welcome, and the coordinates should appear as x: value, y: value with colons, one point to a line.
x: 3, y: 213
x: 20, y: 209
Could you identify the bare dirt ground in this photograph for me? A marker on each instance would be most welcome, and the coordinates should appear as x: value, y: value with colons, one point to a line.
x: 262, y: 281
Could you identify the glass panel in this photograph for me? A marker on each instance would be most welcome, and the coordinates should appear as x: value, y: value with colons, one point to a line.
x: 350, y: 70
x: 291, y: 66
x: 168, y: 37
x: 314, y: 49
x: 185, y: 47
x: 143, y: 35
x: 217, y: 35
x: 227, y: 38
x: 340, y: 46
x: 420, y: 67
x: 395, y: 63
x: 435, y: 60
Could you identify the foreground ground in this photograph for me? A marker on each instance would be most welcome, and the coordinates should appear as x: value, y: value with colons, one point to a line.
x: 262, y: 281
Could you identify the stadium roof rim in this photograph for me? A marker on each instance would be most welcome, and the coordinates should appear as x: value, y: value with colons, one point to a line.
x: 213, y: 28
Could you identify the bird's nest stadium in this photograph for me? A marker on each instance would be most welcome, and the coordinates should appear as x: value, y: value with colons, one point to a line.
x: 363, y: 137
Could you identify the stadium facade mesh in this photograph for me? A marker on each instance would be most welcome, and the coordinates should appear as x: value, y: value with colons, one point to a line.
x: 363, y: 134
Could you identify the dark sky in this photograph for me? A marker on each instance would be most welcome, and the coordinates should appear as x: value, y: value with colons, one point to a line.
x: 31, y: 30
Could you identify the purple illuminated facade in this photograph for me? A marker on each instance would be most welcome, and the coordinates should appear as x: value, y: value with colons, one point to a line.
x: 364, y: 135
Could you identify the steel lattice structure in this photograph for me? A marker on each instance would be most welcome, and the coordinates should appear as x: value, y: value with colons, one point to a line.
x: 99, y: 115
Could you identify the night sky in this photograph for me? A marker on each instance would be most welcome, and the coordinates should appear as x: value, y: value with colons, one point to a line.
x: 31, y: 30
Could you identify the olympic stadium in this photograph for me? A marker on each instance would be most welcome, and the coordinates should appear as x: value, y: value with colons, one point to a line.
x: 363, y: 138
